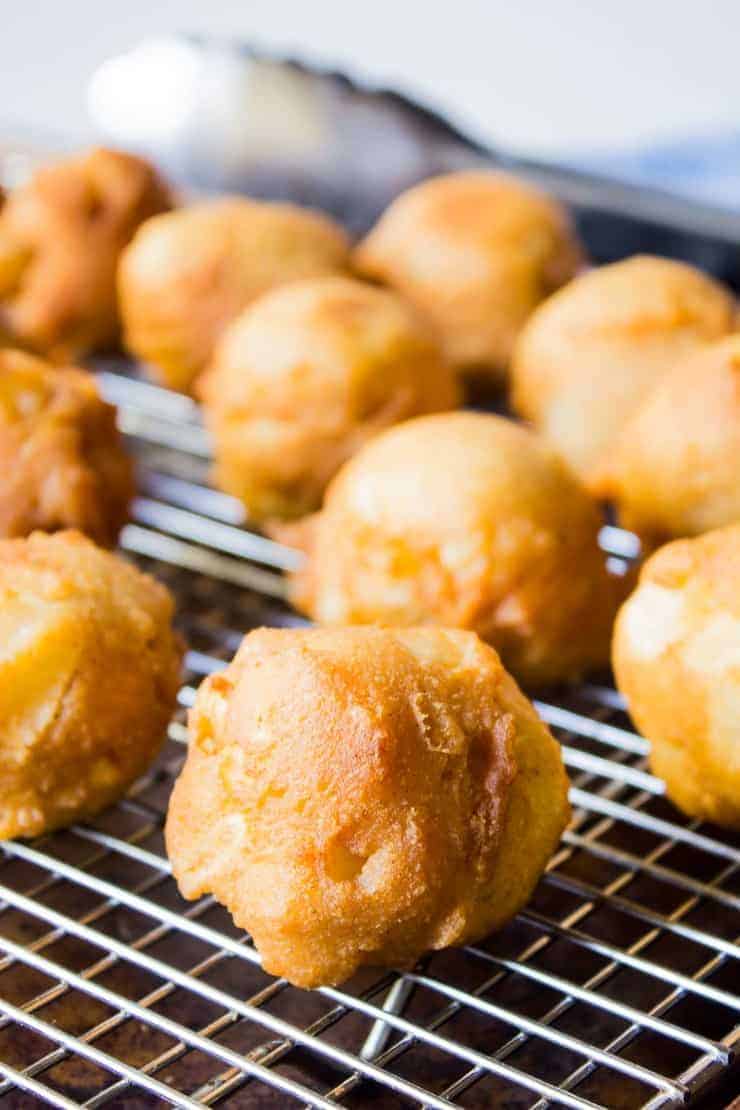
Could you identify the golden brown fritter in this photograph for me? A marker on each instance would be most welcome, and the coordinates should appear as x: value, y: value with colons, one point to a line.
x: 61, y: 456
x: 89, y: 670
x: 60, y: 239
x: 189, y: 273
x: 476, y: 251
x: 304, y: 377
x: 592, y: 352
x: 677, y: 660
x: 360, y: 796
x: 466, y: 520
x: 676, y: 467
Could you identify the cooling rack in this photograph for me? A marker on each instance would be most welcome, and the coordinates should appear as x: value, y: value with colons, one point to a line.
x: 617, y: 986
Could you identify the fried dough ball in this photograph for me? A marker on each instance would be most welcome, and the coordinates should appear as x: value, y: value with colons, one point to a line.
x: 677, y: 660
x: 304, y: 377
x: 676, y: 468
x: 189, y: 273
x: 89, y: 669
x: 592, y: 352
x: 360, y: 796
x: 60, y: 239
x: 466, y: 520
x: 476, y: 251
x: 61, y: 456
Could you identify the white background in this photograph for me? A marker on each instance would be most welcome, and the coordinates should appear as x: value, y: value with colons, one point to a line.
x: 554, y: 78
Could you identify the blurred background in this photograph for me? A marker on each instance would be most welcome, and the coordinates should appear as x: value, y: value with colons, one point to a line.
x: 647, y: 89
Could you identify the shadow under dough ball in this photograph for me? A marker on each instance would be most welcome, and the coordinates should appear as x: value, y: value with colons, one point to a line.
x: 61, y: 457
x: 189, y: 273
x: 592, y: 352
x: 304, y: 377
x: 61, y: 235
x: 471, y: 521
x: 675, y: 470
x: 476, y: 252
x: 89, y: 672
x: 361, y: 796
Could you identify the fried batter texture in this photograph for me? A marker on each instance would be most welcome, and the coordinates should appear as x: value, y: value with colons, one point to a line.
x: 676, y: 467
x: 677, y: 660
x: 89, y: 669
x: 189, y: 273
x: 591, y: 353
x: 361, y: 796
x: 466, y: 520
x: 304, y: 377
x: 61, y: 236
x: 476, y: 252
x: 61, y: 456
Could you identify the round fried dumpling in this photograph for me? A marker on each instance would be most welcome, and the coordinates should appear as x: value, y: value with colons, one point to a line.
x: 189, y: 273
x: 61, y: 456
x: 676, y: 468
x: 89, y: 669
x: 361, y: 796
x: 677, y: 661
x: 60, y: 239
x: 593, y: 351
x: 476, y: 251
x: 466, y: 520
x: 304, y: 377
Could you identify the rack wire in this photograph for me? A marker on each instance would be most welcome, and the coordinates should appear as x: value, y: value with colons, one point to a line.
x: 617, y: 986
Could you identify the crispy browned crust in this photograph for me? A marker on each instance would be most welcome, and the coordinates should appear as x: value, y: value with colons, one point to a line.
x: 89, y: 671
x: 471, y: 521
x: 475, y: 251
x: 304, y: 377
x: 591, y: 353
x: 61, y: 456
x: 359, y: 796
x: 60, y: 239
x: 676, y: 467
x: 676, y: 658
x: 189, y: 273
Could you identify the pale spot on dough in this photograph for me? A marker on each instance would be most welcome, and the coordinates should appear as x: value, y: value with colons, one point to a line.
x: 378, y: 869
x: 104, y: 773
x: 458, y: 553
x: 562, y: 423
x: 232, y: 833
x: 212, y: 717
x: 427, y: 649
x: 330, y: 607
x: 652, y: 620
x: 233, y: 760
x: 716, y: 647
x: 261, y: 736
x: 363, y: 499
x: 40, y: 647
x: 724, y: 725
x: 433, y: 253
x: 23, y: 625
x: 154, y: 252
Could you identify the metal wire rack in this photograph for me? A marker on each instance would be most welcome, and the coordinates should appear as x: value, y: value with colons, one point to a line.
x: 617, y: 986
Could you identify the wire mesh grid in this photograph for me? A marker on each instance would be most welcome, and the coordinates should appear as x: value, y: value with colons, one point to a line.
x: 617, y: 986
